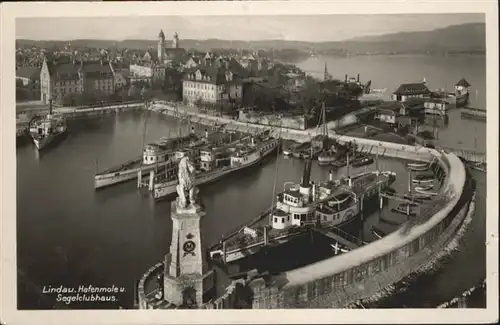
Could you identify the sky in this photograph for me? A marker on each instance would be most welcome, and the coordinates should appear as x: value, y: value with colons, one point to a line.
x: 317, y: 28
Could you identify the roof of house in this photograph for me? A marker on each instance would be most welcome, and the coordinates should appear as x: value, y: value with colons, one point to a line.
x: 216, y: 73
x: 394, y: 105
x: 96, y: 69
x: 32, y: 73
x: 382, y: 111
x: 463, y: 83
x: 412, y: 88
x: 67, y: 69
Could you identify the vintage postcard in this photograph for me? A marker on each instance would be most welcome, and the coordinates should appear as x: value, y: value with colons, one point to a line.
x: 249, y: 162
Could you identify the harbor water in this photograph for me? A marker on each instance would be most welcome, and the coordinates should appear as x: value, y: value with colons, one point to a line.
x: 69, y: 234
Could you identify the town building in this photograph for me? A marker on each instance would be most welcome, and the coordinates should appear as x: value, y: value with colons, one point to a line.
x: 30, y: 77
x: 216, y: 81
x: 411, y: 90
x: 166, y: 55
x: 63, y: 76
x: 462, y: 86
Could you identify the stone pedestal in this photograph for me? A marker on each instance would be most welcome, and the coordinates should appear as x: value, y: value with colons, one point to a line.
x: 186, y: 275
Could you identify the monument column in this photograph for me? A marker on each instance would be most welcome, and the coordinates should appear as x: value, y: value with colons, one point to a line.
x: 187, y: 277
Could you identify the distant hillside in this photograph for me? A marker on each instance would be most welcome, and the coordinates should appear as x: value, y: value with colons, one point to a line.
x: 457, y: 38
x: 466, y: 38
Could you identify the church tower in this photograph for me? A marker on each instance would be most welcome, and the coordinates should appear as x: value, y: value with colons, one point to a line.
x: 175, y: 41
x: 161, y: 46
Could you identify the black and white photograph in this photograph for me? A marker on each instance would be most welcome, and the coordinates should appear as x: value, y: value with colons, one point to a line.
x: 234, y: 157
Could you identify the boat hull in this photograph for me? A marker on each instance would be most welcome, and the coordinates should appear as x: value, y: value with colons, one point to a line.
x: 42, y: 143
x: 112, y: 178
x: 461, y: 100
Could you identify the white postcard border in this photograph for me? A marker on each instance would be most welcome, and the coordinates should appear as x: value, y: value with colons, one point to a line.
x: 10, y: 315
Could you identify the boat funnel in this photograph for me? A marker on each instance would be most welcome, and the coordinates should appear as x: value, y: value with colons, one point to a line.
x: 358, y: 77
x: 306, y: 176
x: 346, y: 78
x: 330, y: 176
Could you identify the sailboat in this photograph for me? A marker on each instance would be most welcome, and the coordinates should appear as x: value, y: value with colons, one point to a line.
x: 48, y: 129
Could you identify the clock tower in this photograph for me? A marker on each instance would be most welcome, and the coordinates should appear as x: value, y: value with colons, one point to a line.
x: 187, y: 278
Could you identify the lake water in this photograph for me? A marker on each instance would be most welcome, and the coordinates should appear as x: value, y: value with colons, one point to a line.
x: 439, y: 72
x: 69, y: 234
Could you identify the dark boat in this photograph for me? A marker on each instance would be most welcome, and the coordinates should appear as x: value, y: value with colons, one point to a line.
x: 363, y: 161
x: 377, y: 232
x: 404, y: 208
x: 425, y: 178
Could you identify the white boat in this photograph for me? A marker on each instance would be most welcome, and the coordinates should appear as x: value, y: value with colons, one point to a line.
x: 423, y: 179
x: 48, y: 129
x: 154, y: 155
x: 424, y: 188
x: 418, y: 166
x: 241, y: 158
x: 326, y: 157
x: 426, y: 193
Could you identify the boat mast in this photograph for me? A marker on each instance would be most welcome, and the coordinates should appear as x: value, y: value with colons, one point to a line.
x: 274, y: 182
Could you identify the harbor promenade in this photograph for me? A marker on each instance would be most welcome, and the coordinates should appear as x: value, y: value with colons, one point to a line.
x: 387, y: 149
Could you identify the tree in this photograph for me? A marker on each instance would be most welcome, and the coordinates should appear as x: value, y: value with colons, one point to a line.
x: 133, y: 92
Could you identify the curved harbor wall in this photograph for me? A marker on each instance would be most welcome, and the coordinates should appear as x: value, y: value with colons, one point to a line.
x: 363, y: 272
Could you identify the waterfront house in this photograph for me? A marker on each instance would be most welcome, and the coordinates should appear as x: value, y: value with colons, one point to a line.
x: 411, y: 90
x: 217, y: 81
x: 462, y: 86
x: 386, y: 115
x: 435, y: 106
x: 63, y: 76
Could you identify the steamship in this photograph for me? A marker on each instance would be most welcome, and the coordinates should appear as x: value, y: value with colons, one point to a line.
x: 330, y: 204
x: 154, y: 155
x: 48, y: 129
x: 214, y: 162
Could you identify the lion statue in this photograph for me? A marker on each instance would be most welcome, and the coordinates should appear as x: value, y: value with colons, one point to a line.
x: 186, y: 188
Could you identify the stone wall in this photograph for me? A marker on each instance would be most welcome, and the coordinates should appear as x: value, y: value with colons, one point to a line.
x: 143, y: 301
x: 292, y: 122
x: 363, y: 272
x: 229, y: 299
x: 95, y: 111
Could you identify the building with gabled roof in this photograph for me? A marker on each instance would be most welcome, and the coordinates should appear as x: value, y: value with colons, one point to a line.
x: 411, y: 90
x: 217, y: 80
x: 63, y: 76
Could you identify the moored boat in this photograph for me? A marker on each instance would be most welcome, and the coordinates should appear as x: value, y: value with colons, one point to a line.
x: 363, y: 161
x: 425, y: 178
x: 327, y: 205
x: 48, y: 129
x: 424, y: 187
x: 154, y: 155
x: 418, y: 166
x: 218, y: 163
